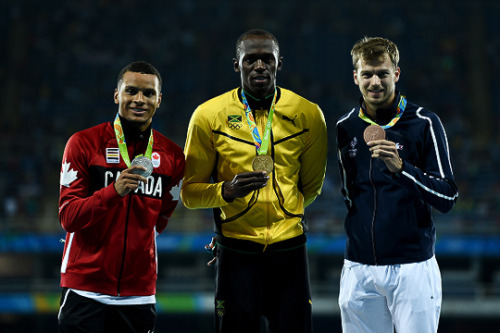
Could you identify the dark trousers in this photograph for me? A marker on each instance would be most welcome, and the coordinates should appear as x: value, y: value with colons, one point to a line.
x: 81, y: 314
x: 269, y: 287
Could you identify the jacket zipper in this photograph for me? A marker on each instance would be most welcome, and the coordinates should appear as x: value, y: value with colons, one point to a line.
x: 125, y: 235
x: 262, y: 126
x: 124, y: 248
x: 374, y: 211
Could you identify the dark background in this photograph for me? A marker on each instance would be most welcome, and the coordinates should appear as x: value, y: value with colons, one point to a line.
x: 58, y: 69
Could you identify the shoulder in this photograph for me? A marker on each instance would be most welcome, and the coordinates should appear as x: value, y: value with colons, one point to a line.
x: 169, y: 155
x: 420, y: 113
x: 217, y: 103
x: 289, y: 97
x: 292, y: 104
x: 348, y: 117
x: 167, y: 145
x: 94, y: 135
x: 212, y: 112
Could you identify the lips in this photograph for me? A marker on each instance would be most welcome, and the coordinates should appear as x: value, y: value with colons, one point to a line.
x: 138, y: 111
x: 375, y: 92
x: 260, y: 78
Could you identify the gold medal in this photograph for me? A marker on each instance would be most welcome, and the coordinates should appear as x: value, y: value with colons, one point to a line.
x: 263, y: 163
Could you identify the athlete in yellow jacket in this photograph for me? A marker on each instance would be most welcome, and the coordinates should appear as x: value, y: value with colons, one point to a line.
x: 258, y: 214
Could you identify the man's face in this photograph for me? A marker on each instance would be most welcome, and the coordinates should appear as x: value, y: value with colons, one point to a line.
x: 376, y: 80
x: 258, y: 64
x: 138, y: 96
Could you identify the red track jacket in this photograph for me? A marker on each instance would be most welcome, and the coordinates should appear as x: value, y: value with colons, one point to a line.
x: 110, y: 244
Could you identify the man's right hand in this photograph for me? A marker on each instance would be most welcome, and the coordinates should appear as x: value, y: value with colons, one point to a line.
x: 129, y: 181
x: 244, y: 183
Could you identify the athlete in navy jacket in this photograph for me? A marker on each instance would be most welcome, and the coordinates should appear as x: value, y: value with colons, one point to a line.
x: 390, y: 275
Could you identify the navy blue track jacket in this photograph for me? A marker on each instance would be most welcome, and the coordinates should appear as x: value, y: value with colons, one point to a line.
x: 389, y: 217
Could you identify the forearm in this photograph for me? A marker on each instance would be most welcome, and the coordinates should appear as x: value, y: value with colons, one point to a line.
x: 440, y: 193
x: 313, y: 165
x: 202, y: 195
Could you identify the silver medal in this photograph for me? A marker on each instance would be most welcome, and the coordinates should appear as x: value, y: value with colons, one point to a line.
x: 145, y: 162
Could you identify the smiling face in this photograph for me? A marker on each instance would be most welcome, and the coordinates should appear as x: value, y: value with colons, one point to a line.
x: 376, y: 79
x: 138, y: 96
x: 258, y: 62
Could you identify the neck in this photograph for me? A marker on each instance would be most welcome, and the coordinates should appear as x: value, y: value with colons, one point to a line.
x: 259, y: 93
x: 257, y: 103
x: 371, y: 109
x: 249, y: 94
x: 133, y: 130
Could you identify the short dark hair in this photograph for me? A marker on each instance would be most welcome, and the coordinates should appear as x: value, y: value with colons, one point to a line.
x: 256, y: 32
x: 139, y: 67
x: 370, y: 48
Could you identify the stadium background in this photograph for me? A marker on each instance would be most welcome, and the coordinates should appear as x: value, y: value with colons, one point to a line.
x: 58, y: 69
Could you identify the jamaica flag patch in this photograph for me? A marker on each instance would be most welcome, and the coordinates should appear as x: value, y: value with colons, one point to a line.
x: 234, y: 122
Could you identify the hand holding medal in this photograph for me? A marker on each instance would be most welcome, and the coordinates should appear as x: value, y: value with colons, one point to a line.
x: 127, y: 181
x: 386, y: 150
x: 144, y: 162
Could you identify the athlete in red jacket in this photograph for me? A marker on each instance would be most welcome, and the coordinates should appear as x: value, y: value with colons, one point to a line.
x: 112, y: 211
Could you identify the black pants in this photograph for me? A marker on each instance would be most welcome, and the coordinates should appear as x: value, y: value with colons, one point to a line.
x: 82, y: 314
x: 273, y: 285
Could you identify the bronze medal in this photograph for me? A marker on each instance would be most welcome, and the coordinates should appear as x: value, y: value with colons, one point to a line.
x: 374, y: 132
x: 263, y: 163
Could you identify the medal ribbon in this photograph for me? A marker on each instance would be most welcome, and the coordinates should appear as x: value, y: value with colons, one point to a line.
x: 400, y: 109
x: 122, y: 145
x: 260, y: 144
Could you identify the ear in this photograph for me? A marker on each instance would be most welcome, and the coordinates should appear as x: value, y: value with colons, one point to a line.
x: 280, y: 63
x: 236, y: 65
x: 159, y: 101
x: 355, y: 77
x: 397, y: 73
x: 116, y: 96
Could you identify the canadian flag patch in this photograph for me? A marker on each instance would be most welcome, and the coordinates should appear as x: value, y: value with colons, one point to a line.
x: 155, y: 158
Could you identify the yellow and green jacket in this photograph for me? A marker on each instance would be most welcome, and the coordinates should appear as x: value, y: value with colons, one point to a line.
x: 219, y: 145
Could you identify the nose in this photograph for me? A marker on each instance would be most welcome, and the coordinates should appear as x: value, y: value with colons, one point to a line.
x: 139, y: 97
x: 259, y: 64
x: 375, y: 80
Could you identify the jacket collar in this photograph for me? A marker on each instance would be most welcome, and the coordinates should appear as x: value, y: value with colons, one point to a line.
x: 132, y: 133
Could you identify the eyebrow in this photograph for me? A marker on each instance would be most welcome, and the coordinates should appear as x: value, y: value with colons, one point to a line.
x: 143, y: 89
x: 380, y: 71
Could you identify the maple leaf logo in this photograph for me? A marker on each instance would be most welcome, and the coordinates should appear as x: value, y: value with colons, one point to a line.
x: 67, y: 175
x: 176, y: 191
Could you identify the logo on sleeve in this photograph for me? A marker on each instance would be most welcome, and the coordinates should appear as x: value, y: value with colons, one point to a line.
x: 175, y: 191
x: 67, y: 175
